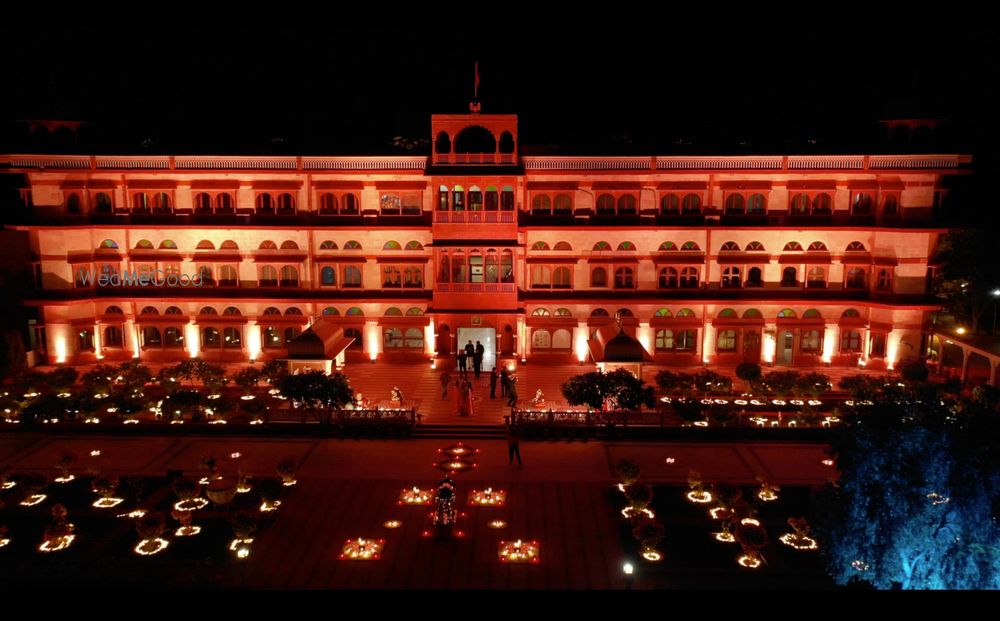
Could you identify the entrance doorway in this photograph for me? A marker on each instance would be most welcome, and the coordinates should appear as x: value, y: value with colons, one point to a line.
x: 486, y: 336
x: 785, y: 347
x: 751, y: 346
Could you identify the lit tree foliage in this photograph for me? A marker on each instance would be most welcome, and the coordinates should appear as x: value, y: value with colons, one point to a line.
x: 965, y: 279
x: 917, y: 501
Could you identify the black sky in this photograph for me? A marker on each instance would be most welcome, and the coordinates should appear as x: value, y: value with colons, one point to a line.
x: 584, y: 88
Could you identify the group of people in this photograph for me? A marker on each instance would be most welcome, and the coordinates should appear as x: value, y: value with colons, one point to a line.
x: 473, y: 353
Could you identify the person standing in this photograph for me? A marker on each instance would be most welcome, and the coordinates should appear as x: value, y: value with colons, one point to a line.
x: 494, y: 374
x: 469, y: 398
x: 513, y: 444
x: 504, y: 381
x: 461, y: 398
x: 470, y: 349
x: 477, y: 358
x: 462, y: 361
x: 445, y: 380
x: 512, y: 390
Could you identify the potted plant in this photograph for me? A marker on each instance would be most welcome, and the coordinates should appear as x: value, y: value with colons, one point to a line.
x: 649, y: 534
x: 627, y: 471
x: 286, y: 469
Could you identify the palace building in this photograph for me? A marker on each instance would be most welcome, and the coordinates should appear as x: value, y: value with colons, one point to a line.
x: 784, y: 260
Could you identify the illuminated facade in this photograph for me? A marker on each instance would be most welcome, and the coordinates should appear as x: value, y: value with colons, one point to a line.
x: 785, y: 260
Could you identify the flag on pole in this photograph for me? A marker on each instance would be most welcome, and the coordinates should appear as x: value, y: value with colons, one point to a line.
x: 477, y: 81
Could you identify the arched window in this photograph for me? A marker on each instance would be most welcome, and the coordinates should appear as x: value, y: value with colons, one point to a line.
x: 599, y: 312
x: 789, y: 277
x: 855, y: 278
x: 352, y: 276
x: 413, y: 311
x: 562, y: 312
x: 414, y: 245
x: 624, y: 312
x: 112, y: 337
x: 328, y: 245
x: 561, y: 278
x: 689, y: 278
x: 391, y: 276
x: 229, y: 245
x: 754, y: 277
x: 822, y: 204
x: 507, y: 198
x: 599, y: 277
x: 730, y: 247
x: 541, y: 204
x: 172, y: 337
x: 817, y: 246
x: 442, y: 144
x: 664, y: 339
x: 562, y: 339
x: 328, y: 276
x: 605, y: 204
x: 228, y: 276
x: 507, y: 267
x: 735, y: 204
x: 172, y: 310
x: 731, y: 277
x: 231, y: 311
x: 268, y: 276
x: 492, y: 267
x: 726, y: 341
x: 328, y: 203
x: 691, y: 204
x: 690, y: 246
x: 685, y: 312
x: 102, y: 203
x: 626, y: 204
x: 203, y: 202
x: 752, y: 313
x: 816, y: 278
x: 850, y: 342
x: 289, y: 245
x: 541, y: 339
x: 855, y: 246
x: 84, y: 340
x: 850, y: 314
x: 168, y: 244
x: 562, y: 246
x: 541, y: 276
x: 800, y: 204
x: 626, y: 246
x: 890, y: 206
x: 352, y: 245
x: 223, y: 203
x: 458, y: 268
x: 232, y: 338
x: 787, y: 314
x: 161, y: 202
x: 354, y: 311
x: 727, y: 313
x: 624, y: 278
x: 862, y: 203
x: 540, y: 312
x: 663, y: 312
x: 668, y: 246
x: 389, y: 204
x: 884, y: 280
x: 108, y: 244
x: 492, y: 198
x: 601, y: 246
x: 670, y: 204
x: 267, y: 244
x: 413, y: 338
x: 272, y: 337
x: 349, y: 204
x: 73, y: 204
x: 391, y: 245
x: 208, y: 310
x: 140, y: 202
x: 114, y: 310
x: 286, y: 203
x: 792, y: 247
x: 392, y: 311
x: 458, y: 198
x: 755, y: 246
x: 812, y: 313
x: 812, y: 341
x: 151, y: 337
x: 144, y: 244
x: 669, y: 278
x: 331, y: 311
x: 563, y: 205
x: 202, y: 245
x: 757, y: 204
x: 149, y: 310
x: 264, y: 203
x: 540, y: 245
x: 272, y: 311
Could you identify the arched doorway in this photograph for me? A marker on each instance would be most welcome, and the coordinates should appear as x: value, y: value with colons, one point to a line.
x: 507, y: 341
x: 444, y: 340
x: 751, y: 345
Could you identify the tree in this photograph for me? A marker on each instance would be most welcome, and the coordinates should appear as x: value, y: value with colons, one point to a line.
x: 965, y: 280
x: 913, y: 506
x: 780, y: 382
x: 619, y: 390
x: 914, y: 371
x: 317, y: 392
x: 748, y: 372
x: 13, y: 358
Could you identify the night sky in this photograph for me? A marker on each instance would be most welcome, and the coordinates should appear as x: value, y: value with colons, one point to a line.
x: 614, y: 89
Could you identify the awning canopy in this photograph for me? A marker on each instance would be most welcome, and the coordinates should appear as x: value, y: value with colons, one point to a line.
x: 617, y: 348
x: 323, y: 340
